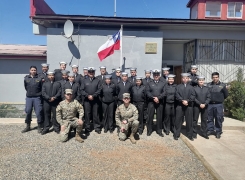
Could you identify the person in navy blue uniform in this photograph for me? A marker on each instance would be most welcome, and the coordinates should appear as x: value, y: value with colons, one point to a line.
x: 165, y: 74
x: 51, y: 93
x: 85, y: 73
x: 193, y: 76
x: 77, y: 77
x: 71, y: 84
x: 138, y: 99
x: 202, y: 99
x: 215, y: 108
x: 58, y: 72
x: 132, y: 78
x: 185, y: 96
x: 123, y: 87
x: 90, y: 90
x: 63, y: 81
x: 155, y: 94
x: 108, y: 95
x: 117, y: 79
x: 170, y: 104
x: 43, y: 74
x: 33, y: 87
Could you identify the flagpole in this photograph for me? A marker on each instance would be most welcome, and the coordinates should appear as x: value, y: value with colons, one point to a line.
x: 121, y: 56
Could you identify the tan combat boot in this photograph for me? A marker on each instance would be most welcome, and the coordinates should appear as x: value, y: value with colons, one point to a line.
x: 78, y: 138
x: 131, y: 137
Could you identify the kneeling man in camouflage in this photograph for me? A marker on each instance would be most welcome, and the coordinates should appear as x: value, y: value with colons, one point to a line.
x: 66, y: 116
x: 127, y: 119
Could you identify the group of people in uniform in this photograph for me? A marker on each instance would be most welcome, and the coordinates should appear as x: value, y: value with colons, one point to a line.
x: 69, y: 100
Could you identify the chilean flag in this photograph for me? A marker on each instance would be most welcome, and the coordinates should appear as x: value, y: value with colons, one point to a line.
x: 107, y: 49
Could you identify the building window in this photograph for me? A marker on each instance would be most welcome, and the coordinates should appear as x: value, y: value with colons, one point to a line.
x: 234, y: 10
x: 213, y: 9
x: 194, y: 11
x: 224, y: 50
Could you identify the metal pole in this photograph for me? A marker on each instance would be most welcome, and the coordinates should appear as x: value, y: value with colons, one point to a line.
x: 115, y: 8
x: 121, y: 56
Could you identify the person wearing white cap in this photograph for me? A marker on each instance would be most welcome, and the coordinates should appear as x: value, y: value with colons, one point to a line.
x: 185, y: 96
x: 123, y: 87
x: 103, y: 72
x: 165, y: 74
x: 138, y: 99
x: 108, y: 97
x: 169, y: 109
x: 90, y: 90
x: 51, y: 93
x: 202, y: 100
x: 43, y: 74
x: 147, y: 77
x: 77, y: 77
x: 71, y: 84
x: 85, y: 73
x: 64, y: 79
x: 117, y: 79
x: 155, y: 92
x: 133, y: 72
x: 58, y: 73
x: 193, y: 75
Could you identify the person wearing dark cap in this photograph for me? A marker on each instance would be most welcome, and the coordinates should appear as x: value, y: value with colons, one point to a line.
x: 51, y: 93
x: 90, y: 89
x: 215, y: 108
x: 71, y: 84
x: 108, y: 95
x: 133, y: 72
x: 33, y: 87
x: 170, y: 104
x: 58, y: 72
x: 155, y: 93
x: 165, y: 74
x: 202, y: 100
x: 193, y: 75
x: 117, y: 79
x: 77, y: 77
x: 138, y: 99
x: 123, y: 87
x: 185, y: 96
x: 43, y: 74
x: 63, y: 80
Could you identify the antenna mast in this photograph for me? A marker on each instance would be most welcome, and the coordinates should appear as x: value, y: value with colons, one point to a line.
x: 115, y: 8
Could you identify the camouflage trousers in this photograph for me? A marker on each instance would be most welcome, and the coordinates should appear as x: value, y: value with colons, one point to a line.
x: 68, y: 125
x: 134, y: 127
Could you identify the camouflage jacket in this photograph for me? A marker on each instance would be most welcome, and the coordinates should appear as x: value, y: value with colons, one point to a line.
x: 67, y: 111
x: 130, y: 113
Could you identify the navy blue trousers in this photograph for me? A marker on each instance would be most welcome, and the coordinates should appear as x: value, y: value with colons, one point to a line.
x: 215, y: 112
x: 37, y: 104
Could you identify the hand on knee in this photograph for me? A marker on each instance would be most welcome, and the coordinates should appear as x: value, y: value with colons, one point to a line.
x: 62, y: 128
x: 80, y: 122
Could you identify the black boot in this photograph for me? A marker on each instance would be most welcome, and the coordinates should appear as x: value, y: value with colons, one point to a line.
x: 39, y: 128
x: 28, y: 128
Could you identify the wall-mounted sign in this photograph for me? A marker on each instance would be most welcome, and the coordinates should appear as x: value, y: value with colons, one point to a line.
x: 151, y: 48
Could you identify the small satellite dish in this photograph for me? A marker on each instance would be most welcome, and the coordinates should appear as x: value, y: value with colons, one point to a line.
x: 68, y: 28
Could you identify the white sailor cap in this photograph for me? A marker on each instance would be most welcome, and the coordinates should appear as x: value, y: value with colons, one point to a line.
x: 91, y: 69
x: 185, y: 74
x: 118, y: 69
x: 139, y: 78
x: 147, y: 71
x: 165, y: 69
x: 50, y: 72
x: 156, y: 71
x: 71, y: 75
x: 107, y: 76
x: 44, y: 65
x: 65, y: 72
x: 74, y: 66
x: 200, y: 77
x: 85, y: 68
x: 194, y: 66
x: 171, y: 76
x: 63, y: 62
x: 124, y: 74
x: 133, y: 69
x: 102, y: 67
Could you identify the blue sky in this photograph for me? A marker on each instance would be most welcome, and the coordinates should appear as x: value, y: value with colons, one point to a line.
x: 16, y: 27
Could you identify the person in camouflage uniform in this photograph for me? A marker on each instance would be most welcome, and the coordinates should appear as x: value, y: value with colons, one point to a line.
x: 127, y: 117
x: 66, y: 116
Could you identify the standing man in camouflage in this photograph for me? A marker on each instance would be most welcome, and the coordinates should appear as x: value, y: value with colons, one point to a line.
x: 127, y: 117
x: 66, y: 116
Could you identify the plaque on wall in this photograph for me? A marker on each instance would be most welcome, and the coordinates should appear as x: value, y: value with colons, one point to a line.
x: 151, y: 48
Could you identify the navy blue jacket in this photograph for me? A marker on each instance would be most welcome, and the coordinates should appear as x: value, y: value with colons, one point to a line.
x: 33, y: 86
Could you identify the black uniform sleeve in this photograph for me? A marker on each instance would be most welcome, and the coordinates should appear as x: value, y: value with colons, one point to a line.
x: 97, y: 92
x: 58, y: 94
x: 208, y: 98
x: 25, y: 84
x: 225, y: 92
x: 44, y: 93
x: 162, y: 94
x: 148, y: 92
x: 177, y: 94
x: 192, y: 95
x: 82, y: 89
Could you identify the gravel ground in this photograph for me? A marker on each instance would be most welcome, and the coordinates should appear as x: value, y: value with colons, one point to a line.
x: 33, y: 156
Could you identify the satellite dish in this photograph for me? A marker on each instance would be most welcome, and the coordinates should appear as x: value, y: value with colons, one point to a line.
x: 68, y: 28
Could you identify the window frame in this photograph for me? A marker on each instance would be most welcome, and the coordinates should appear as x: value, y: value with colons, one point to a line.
x: 213, y: 16
x: 234, y: 10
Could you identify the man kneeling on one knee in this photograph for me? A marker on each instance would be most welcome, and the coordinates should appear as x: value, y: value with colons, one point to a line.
x: 66, y: 116
x: 127, y: 117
